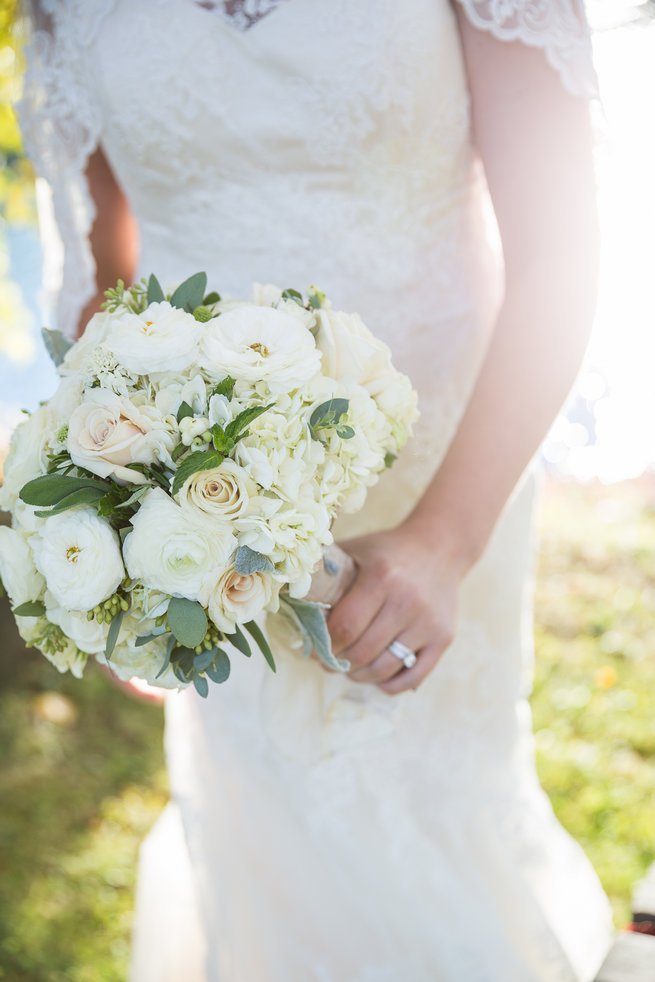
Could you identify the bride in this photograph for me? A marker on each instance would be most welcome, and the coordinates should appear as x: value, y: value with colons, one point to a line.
x: 387, y: 825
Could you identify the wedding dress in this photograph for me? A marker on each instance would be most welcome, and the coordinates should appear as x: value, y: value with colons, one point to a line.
x: 319, y: 829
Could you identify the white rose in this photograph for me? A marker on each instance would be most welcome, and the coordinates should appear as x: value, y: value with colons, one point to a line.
x: 79, y: 554
x: 27, y: 456
x: 236, y: 599
x: 349, y: 349
x: 222, y: 492
x: 161, y: 339
x: 18, y: 573
x: 94, y: 334
x: 259, y: 343
x: 107, y: 432
x: 88, y: 636
x: 170, y: 550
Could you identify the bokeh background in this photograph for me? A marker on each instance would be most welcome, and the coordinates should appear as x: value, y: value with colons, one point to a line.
x: 82, y: 776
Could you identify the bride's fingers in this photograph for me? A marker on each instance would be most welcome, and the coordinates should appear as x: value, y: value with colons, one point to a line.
x: 411, y: 678
x: 410, y: 632
x: 358, y: 607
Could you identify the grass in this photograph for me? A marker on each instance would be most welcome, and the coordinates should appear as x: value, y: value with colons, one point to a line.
x: 83, y: 776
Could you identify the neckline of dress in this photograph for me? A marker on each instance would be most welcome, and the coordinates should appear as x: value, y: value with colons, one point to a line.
x: 244, y: 15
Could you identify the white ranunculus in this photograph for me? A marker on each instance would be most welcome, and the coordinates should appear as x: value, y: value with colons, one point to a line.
x: 161, y: 339
x: 260, y: 343
x: 107, y: 432
x: 18, y: 573
x: 349, y: 349
x: 79, y: 554
x: 222, y: 492
x: 94, y: 334
x: 170, y: 550
x: 236, y: 599
x: 89, y: 636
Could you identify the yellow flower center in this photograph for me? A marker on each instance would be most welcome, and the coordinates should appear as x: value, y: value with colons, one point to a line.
x: 260, y: 348
x: 72, y: 553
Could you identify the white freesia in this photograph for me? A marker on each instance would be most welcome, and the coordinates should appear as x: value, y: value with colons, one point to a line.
x: 18, y: 573
x: 107, y: 432
x: 259, y: 343
x: 221, y: 492
x: 168, y: 550
x: 79, y: 555
x: 161, y: 339
x: 236, y: 599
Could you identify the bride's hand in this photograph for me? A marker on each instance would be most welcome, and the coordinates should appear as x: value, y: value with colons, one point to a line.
x: 406, y: 590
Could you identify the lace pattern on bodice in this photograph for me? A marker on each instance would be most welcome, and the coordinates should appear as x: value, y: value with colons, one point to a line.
x: 242, y: 14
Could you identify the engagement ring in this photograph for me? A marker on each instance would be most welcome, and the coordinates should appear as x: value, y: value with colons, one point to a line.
x: 403, y: 653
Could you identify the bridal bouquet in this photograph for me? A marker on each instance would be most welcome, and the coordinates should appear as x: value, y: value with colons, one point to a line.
x: 184, y: 477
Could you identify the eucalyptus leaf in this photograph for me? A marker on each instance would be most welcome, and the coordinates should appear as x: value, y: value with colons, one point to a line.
x: 328, y: 415
x: 49, y: 489
x: 32, y: 608
x: 201, y: 685
x: 293, y: 295
x: 247, y: 561
x: 205, y: 658
x: 211, y: 298
x: 219, y: 670
x: 256, y: 634
x: 112, y: 635
x: 147, y: 638
x: 189, y: 294
x: 167, y: 657
x: 200, y: 460
x: 311, y: 617
x: 56, y: 344
x: 155, y: 293
x: 187, y: 620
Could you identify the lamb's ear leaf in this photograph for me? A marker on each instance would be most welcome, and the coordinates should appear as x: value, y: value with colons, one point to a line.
x: 189, y: 294
x: 155, y: 293
x: 311, y: 618
x: 56, y: 344
x: 247, y: 561
x: 187, y: 620
x: 256, y: 634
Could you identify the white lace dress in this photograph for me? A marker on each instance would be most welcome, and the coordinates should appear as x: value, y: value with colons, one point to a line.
x: 321, y: 831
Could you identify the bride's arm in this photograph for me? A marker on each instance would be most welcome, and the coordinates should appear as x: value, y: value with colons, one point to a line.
x: 534, y: 140
x: 113, y: 236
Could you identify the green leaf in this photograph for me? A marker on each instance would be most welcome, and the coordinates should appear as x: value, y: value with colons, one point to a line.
x: 189, y: 294
x: 51, y: 488
x: 211, y: 298
x: 345, y: 432
x: 155, y: 293
x: 329, y: 414
x: 33, y: 608
x: 112, y: 636
x: 205, y: 658
x: 220, y: 440
x: 224, y: 388
x: 200, y: 460
x: 178, y: 452
x: 187, y: 620
x: 134, y: 497
x: 255, y: 633
x: 247, y: 561
x: 293, y: 295
x: 219, y: 670
x: 56, y: 344
x: 389, y: 459
x: 310, y: 617
x: 239, y: 640
x: 184, y: 411
x: 167, y: 657
x: 234, y: 429
x: 201, y: 685
x: 147, y: 638
x: 85, y: 496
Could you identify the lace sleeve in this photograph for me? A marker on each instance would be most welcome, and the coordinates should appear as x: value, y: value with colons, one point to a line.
x: 60, y: 126
x: 558, y: 27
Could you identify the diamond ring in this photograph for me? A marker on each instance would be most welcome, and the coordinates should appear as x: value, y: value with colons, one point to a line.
x: 403, y: 653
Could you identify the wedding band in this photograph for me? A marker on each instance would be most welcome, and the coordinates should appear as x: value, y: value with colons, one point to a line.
x: 403, y: 653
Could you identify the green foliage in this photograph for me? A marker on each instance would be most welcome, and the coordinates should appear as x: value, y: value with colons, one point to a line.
x: 200, y: 460
x: 329, y: 415
x: 310, y: 619
x: 56, y: 344
x: 247, y: 561
x: 255, y: 633
x: 187, y: 621
x: 189, y: 294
